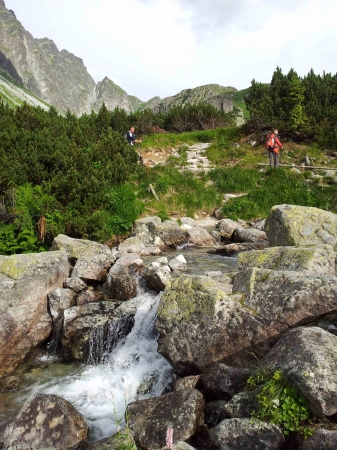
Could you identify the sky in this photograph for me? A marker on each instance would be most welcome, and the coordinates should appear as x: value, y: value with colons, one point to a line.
x: 160, y: 47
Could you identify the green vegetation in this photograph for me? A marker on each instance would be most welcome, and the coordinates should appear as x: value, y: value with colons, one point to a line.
x: 179, y: 193
x: 279, y: 402
x: 304, y: 108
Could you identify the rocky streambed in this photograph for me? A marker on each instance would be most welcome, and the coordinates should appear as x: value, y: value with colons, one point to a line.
x: 104, y: 312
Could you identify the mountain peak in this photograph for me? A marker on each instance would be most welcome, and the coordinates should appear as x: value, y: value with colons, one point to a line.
x: 2, y: 4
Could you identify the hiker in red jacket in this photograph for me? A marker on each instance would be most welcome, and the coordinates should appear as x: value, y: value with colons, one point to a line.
x: 273, y: 145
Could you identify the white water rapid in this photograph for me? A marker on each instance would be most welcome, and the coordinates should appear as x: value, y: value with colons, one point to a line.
x: 134, y: 370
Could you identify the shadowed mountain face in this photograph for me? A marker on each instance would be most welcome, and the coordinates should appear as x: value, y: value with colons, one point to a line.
x: 61, y: 79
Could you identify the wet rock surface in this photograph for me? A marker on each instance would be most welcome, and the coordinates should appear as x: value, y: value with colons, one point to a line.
x: 91, y: 331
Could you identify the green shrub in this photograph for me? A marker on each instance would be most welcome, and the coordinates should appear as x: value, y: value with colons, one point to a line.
x: 279, y: 402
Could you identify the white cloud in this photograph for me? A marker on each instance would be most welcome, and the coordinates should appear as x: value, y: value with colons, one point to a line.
x: 159, y: 47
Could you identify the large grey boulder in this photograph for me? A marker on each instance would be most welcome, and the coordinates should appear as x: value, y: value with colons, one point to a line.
x: 200, y: 324
x: 25, y: 281
x: 122, y: 279
x: 143, y: 233
x: 243, y: 434
x: 46, y: 422
x: 197, y: 326
x: 92, y: 330
x: 82, y: 249
x: 200, y: 237
x: 301, y: 225
x: 149, y: 419
x: 310, y: 259
x: 248, y: 235
x: 307, y: 357
x: 169, y: 232
x: 283, y: 299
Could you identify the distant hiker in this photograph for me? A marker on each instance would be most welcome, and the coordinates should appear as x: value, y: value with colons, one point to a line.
x: 131, y: 138
x: 273, y: 145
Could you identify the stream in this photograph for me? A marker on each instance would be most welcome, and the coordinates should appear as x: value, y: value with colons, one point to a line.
x: 134, y: 369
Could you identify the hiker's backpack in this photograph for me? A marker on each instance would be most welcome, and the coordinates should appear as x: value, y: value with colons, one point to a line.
x: 270, y: 142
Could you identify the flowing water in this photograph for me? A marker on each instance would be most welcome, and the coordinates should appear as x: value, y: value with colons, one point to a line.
x: 133, y: 369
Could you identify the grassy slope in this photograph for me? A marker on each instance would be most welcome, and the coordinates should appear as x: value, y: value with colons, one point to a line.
x: 237, y: 172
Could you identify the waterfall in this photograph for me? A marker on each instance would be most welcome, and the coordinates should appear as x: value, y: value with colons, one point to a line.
x: 132, y: 370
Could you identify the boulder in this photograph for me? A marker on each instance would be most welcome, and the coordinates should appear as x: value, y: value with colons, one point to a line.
x: 91, y: 331
x: 59, y: 300
x: 25, y: 281
x: 149, y: 419
x: 144, y: 235
x: 321, y: 440
x: 199, y: 324
x: 200, y: 237
x: 219, y: 214
x: 227, y: 228
x: 307, y: 357
x: 223, y: 382
x: 46, y: 422
x: 122, y: 279
x: 248, y: 235
x: 260, y: 225
x: 283, y: 299
x: 87, y: 297
x: 178, y: 264
x: 243, y: 434
x: 150, y: 251
x: 311, y: 260
x: 82, y: 249
x: 158, y: 278
x: 187, y: 221
x: 241, y: 406
x: 75, y: 284
x: 193, y: 316
x: 90, y: 272
x: 169, y: 232
x: 301, y: 225
x: 155, y: 220
x: 131, y: 245
x: 215, y: 412
x: 192, y: 382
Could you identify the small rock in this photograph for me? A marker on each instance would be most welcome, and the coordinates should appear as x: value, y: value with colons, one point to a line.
x: 76, y: 284
x: 131, y: 245
x: 219, y: 214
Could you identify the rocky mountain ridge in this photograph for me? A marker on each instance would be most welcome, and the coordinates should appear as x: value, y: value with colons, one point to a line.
x: 61, y: 79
